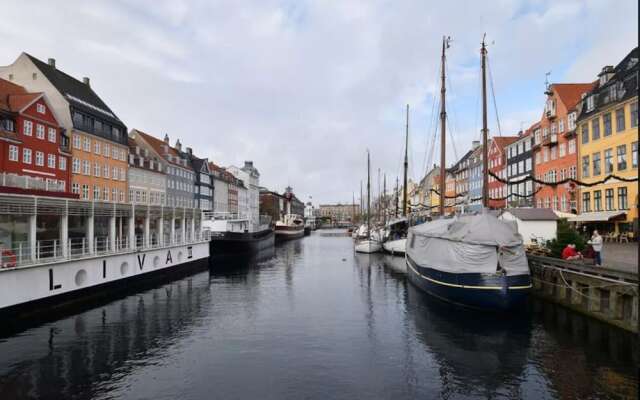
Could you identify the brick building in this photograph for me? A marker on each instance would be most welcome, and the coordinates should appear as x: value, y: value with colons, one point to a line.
x: 497, y: 160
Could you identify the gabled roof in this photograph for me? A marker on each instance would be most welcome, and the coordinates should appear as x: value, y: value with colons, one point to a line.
x: 571, y: 93
x: 77, y: 93
x: 503, y: 141
x: 157, y: 146
x: 532, y: 214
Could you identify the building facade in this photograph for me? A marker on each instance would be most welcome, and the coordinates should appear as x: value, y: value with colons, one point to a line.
x: 220, y: 183
x: 520, y: 166
x: 340, y: 212
x: 554, y: 147
x: 34, y: 153
x: 203, y: 190
x: 180, y: 175
x: 497, y: 160
x: 98, y: 137
x: 250, y: 176
x: 475, y: 180
x: 608, y: 145
x: 147, y: 181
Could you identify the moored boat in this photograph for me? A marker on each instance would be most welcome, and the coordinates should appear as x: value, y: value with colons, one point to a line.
x: 291, y: 227
x: 234, y: 234
x: 395, y: 237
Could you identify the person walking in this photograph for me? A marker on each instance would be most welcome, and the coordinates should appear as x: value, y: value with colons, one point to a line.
x: 596, y: 243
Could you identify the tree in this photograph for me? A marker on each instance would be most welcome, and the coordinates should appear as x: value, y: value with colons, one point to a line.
x: 565, y: 234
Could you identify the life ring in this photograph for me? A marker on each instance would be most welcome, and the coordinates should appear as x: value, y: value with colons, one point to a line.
x: 9, y: 259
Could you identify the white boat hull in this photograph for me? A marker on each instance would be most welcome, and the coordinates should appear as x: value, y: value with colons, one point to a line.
x: 397, y: 246
x: 368, y: 246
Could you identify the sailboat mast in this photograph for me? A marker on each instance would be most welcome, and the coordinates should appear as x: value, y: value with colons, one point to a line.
x: 406, y: 165
x: 368, y: 196
x: 397, y: 195
x: 378, y: 216
x: 361, y: 202
x: 384, y: 198
x: 443, y: 125
x: 353, y: 207
x: 485, y: 160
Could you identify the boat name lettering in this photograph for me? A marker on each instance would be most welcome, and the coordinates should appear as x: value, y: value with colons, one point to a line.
x: 190, y: 252
x: 51, y: 285
x: 141, y: 262
x: 169, y: 259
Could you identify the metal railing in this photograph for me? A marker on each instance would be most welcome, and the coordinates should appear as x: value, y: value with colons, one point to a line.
x: 44, y: 251
x: 29, y: 182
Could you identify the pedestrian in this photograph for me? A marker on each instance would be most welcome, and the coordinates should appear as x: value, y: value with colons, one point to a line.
x: 596, y: 243
x: 569, y: 253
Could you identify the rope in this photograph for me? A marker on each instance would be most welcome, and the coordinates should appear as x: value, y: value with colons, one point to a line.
x: 493, y: 94
x: 562, y: 182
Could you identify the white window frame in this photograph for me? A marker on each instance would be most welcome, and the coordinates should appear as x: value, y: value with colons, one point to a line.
x: 51, y: 161
x: 13, y: 152
x: 27, y: 128
x: 40, y: 108
x: 39, y: 159
x: 40, y: 131
x: 62, y: 163
x: 51, y: 134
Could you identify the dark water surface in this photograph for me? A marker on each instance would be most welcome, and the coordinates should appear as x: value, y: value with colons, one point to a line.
x: 312, y: 321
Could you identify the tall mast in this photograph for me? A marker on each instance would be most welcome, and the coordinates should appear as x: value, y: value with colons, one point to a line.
x: 443, y: 125
x: 485, y: 161
x: 384, y: 197
x: 397, y: 196
x: 353, y: 207
x: 378, y: 216
x: 361, y: 202
x: 368, y: 196
x: 406, y: 165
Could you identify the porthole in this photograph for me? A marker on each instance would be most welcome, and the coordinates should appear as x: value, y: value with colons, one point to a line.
x: 124, y: 268
x: 81, y: 277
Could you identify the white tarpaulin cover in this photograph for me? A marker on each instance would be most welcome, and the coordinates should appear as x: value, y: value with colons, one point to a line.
x: 469, y: 243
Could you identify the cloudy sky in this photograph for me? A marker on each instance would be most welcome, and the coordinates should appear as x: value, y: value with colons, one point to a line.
x: 302, y: 88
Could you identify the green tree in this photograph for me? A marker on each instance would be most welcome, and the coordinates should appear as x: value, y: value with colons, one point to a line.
x: 565, y: 235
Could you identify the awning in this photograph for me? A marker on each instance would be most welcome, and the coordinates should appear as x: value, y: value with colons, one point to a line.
x: 598, y: 216
x: 561, y: 214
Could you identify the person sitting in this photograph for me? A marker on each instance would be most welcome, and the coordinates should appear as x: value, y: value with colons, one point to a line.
x: 569, y: 253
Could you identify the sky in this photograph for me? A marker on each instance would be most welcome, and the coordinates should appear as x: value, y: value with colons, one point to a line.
x: 304, y: 88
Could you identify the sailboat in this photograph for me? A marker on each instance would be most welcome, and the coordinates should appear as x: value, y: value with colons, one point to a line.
x: 475, y: 260
x: 368, y: 244
x: 395, y: 231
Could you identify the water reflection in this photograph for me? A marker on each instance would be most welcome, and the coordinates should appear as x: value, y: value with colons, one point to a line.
x: 71, y: 357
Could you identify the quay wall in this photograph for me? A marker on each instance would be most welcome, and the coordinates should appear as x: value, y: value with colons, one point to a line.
x: 602, y: 293
x: 23, y: 285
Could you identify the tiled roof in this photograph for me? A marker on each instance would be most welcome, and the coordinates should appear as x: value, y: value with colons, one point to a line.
x: 157, y: 146
x: 18, y: 101
x: 14, y: 97
x: 503, y: 141
x: 571, y: 93
x: 76, y: 92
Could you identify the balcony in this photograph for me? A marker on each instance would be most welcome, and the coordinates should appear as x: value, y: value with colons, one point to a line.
x: 29, y: 183
x: 551, y: 114
x: 550, y: 140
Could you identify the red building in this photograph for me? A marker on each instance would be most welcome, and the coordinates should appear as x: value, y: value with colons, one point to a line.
x: 497, y: 159
x: 34, y: 153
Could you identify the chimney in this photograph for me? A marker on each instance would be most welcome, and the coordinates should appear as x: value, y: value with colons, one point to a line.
x: 248, y: 164
x: 178, y: 145
x: 52, y: 62
x: 166, y: 138
x: 475, y: 144
x: 85, y: 80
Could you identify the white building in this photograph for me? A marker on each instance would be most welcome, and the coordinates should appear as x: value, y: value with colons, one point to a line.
x: 533, y: 223
x: 147, y: 182
x: 249, y: 195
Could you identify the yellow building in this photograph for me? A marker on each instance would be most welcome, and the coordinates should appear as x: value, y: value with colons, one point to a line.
x: 608, y: 145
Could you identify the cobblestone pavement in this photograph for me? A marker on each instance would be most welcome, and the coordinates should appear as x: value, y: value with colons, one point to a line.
x: 621, y: 256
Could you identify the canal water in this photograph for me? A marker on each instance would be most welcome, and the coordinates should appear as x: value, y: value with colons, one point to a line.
x: 311, y: 320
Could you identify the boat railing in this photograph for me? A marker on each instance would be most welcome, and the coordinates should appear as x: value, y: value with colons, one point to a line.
x: 50, y: 250
x: 218, y: 215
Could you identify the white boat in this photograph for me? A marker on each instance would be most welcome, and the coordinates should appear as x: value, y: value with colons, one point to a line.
x: 395, y: 236
x: 291, y: 227
x: 368, y: 246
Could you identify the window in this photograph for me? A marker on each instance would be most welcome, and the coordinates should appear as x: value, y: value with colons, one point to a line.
x: 96, y: 147
x: 622, y: 198
x: 86, y: 144
x: 85, y: 192
x: 75, y: 188
x: 537, y: 158
x: 105, y: 171
x: 595, y: 128
x: 585, y: 166
x: 573, y: 172
x: 105, y: 193
x: 52, y: 135
x: 591, y: 103
x: 86, y: 167
x: 554, y: 153
x: 562, y: 149
x: 545, y: 132
x: 13, y: 153
x: 106, y: 150
x: 527, y: 145
x: 521, y: 167
x: 122, y: 175
x: 51, y: 160
x: 114, y: 195
x: 596, y: 163
x: 585, y: 133
x: 27, y: 129
x: 634, y: 155
x: 571, y: 121
x: 608, y: 161
x: 96, y: 192
x: 606, y: 122
x: 40, y: 108
x: 622, y: 157
x: 572, y: 146
x: 114, y: 153
x: 563, y: 202
x: 39, y: 158
x: 634, y: 114
x: 620, y: 119
x: 114, y: 174
x: 555, y: 202
x: 96, y: 169
x: 528, y: 164
x: 131, y: 196
x: 561, y: 126
x: 76, y: 141
x: 608, y: 199
x: 40, y: 131
x: 121, y: 196
x: 597, y: 200
x: 62, y: 163
x: 75, y: 166
x: 586, y: 202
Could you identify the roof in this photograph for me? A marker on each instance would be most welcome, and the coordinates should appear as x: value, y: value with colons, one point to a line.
x: 532, y: 214
x: 157, y: 145
x: 503, y: 141
x: 571, y: 93
x: 77, y: 93
x: 136, y: 164
x: 14, y: 97
x: 598, y: 216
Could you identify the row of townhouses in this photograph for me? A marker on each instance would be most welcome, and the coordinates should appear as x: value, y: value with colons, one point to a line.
x: 587, y: 132
x: 59, y: 138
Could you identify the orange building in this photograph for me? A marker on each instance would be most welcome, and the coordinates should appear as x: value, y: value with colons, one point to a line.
x: 450, y: 192
x: 555, y: 148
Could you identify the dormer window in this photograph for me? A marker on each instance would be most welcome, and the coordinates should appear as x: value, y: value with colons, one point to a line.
x: 591, y: 103
x: 41, y: 108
